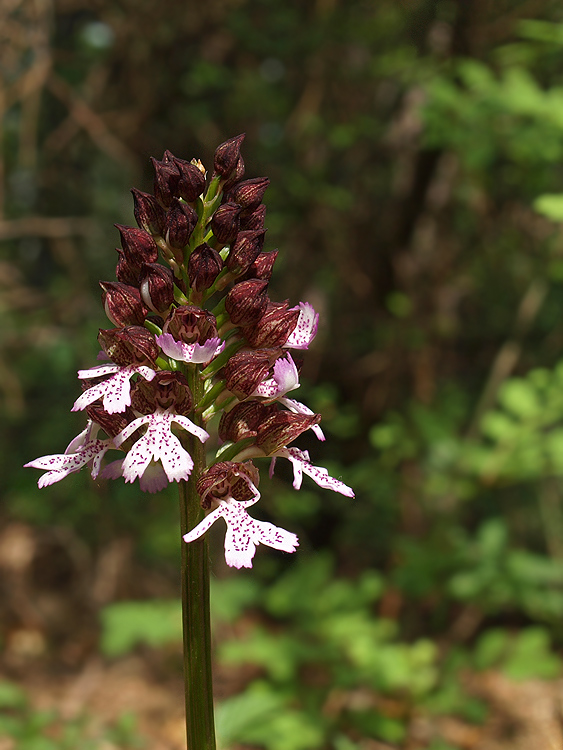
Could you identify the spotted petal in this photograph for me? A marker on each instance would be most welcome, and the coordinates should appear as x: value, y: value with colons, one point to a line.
x: 306, y: 328
x: 115, y: 391
x: 302, y: 465
x: 59, y: 466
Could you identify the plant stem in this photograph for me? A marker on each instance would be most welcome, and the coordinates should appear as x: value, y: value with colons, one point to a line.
x: 200, y: 727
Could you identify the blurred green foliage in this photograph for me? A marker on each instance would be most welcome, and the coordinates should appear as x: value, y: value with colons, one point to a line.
x: 31, y: 729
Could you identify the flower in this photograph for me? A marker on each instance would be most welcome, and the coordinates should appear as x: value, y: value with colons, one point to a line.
x: 183, y: 352
x: 306, y: 328
x: 159, y: 444
x: 80, y: 451
x: 302, y: 465
x: 115, y: 391
x: 286, y: 378
x: 243, y: 531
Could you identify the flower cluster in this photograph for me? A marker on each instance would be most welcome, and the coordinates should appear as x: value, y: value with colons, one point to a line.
x: 196, y: 335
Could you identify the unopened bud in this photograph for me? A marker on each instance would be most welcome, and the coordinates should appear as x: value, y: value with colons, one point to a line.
x: 129, y: 345
x: 262, y: 266
x: 181, y: 219
x: 138, y: 245
x: 126, y: 272
x: 247, y: 301
x: 253, y: 218
x: 157, y: 287
x: 191, y: 324
x: 149, y: 214
x: 245, y: 250
x: 111, y: 424
x: 225, y: 222
x: 227, y: 155
x: 249, y: 194
x: 274, y: 327
x: 166, y: 180
x: 246, y: 370
x: 282, y: 428
x: 236, y: 175
x: 204, y: 266
x: 243, y: 420
x: 123, y: 304
x: 192, y: 180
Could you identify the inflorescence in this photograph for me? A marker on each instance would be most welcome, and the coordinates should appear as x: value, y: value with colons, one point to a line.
x: 191, y: 301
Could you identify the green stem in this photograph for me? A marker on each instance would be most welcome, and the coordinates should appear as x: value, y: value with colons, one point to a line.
x: 200, y: 727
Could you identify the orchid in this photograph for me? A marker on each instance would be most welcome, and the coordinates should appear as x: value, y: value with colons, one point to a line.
x: 159, y: 444
x: 302, y: 465
x: 196, y: 336
x: 115, y: 392
x: 244, y: 533
x: 285, y: 378
x: 81, y: 450
x: 306, y: 328
x: 197, y: 353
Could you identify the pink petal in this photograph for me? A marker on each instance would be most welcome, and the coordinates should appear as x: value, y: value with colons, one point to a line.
x: 306, y: 328
x: 182, y: 352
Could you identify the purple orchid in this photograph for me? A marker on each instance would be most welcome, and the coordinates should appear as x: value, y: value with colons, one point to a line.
x: 285, y: 378
x: 302, y: 465
x: 81, y: 450
x: 198, y: 353
x: 115, y: 392
x: 159, y: 444
x: 243, y: 531
x: 306, y: 328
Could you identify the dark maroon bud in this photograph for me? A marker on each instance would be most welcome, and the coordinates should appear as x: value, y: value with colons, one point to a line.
x: 227, y: 479
x: 138, y: 245
x: 243, y: 420
x: 126, y: 272
x: 167, y: 390
x: 227, y: 155
x: 111, y: 424
x: 204, y: 266
x: 180, y: 222
x: 253, y: 218
x: 157, y: 287
x: 129, y: 345
x: 149, y: 214
x: 236, y: 175
x: 246, y: 370
x: 274, y: 327
x: 192, y: 180
x: 191, y: 324
x: 281, y: 428
x: 225, y: 222
x: 123, y: 304
x: 166, y: 180
x: 245, y: 250
x: 249, y: 194
x: 247, y: 301
x: 262, y: 267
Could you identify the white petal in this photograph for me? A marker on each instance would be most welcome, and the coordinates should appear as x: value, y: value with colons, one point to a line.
x: 204, y: 525
x: 189, y: 426
x: 98, y: 371
x: 176, y: 461
x: 130, y: 429
x: 274, y: 536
